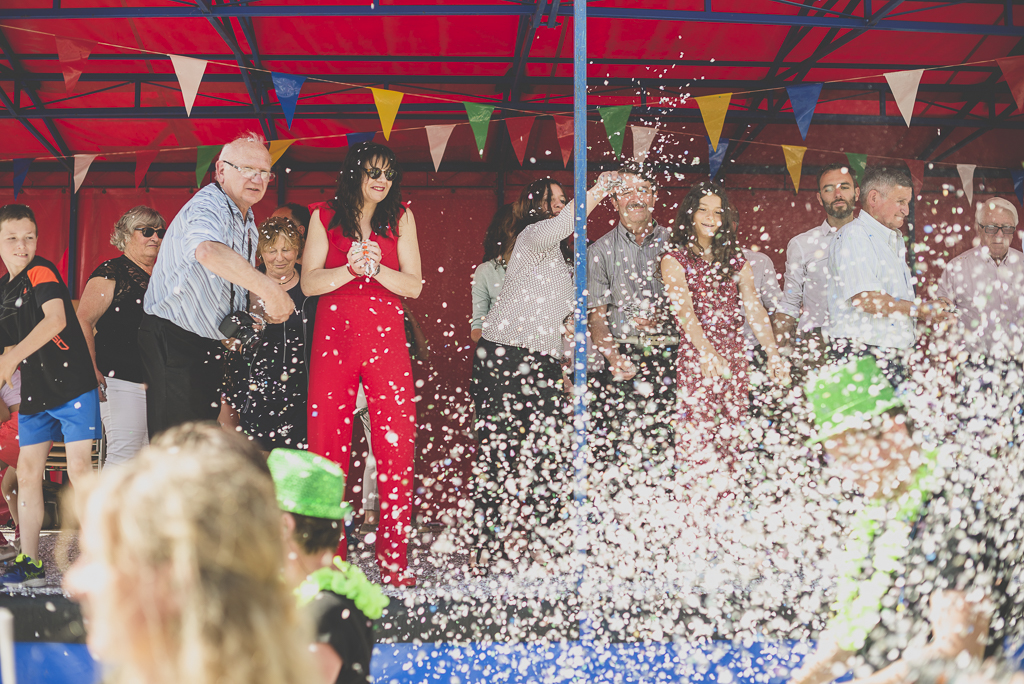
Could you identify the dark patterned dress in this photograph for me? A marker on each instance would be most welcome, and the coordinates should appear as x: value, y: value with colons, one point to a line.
x: 711, y: 410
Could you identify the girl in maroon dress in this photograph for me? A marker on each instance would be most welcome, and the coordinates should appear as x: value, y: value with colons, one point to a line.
x: 707, y: 279
x: 362, y: 257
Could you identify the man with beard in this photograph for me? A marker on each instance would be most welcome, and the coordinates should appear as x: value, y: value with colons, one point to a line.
x: 802, y: 313
x: 628, y: 319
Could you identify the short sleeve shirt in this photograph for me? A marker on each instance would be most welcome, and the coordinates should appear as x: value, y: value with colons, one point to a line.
x: 766, y: 282
x: 487, y: 281
x: 61, y: 369
x: 117, y: 330
x: 339, y: 624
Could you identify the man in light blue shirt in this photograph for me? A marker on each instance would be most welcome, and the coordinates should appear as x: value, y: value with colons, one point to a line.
x: 205, y: 273
x: 871, y: 304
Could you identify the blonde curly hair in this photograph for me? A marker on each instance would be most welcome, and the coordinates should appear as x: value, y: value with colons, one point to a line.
x: 133, y: 219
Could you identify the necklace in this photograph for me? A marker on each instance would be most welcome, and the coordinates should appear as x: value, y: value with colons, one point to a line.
x: 284, y: 282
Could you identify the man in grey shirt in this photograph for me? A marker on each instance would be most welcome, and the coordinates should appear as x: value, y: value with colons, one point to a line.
x: 205, y: 271
x: 637, y: 389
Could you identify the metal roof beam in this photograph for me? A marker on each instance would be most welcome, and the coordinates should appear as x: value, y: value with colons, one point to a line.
x: 505, y: 10
x: 524, y: 42
x: 32, y: 129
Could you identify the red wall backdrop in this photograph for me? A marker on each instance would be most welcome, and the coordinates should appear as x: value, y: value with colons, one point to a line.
x: 452, y: 212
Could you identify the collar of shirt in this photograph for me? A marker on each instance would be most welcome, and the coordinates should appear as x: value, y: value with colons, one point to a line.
x: 894, y: 238
x: 249, y: 216
x: 648, y: 239
x: 825, y: 228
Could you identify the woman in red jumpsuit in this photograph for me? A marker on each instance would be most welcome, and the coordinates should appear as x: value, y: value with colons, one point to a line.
x: 362, y: 257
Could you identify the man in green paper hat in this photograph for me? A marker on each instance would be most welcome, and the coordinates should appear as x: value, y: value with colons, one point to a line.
x: 341, y: 602
x: 921, y: 577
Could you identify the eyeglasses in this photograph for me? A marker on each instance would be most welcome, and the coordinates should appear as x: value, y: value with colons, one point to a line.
x: 149, y: 232
x: 993, y: 229
x: 249, y: 173
x: 375, y: 173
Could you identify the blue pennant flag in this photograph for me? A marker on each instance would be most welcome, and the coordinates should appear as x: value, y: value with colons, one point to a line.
x: 356, y: 138
x: 288, y: 88
x: 804, y: 99
x: 716, y: 157
x: 1018, y: 185
x: 20, y: 172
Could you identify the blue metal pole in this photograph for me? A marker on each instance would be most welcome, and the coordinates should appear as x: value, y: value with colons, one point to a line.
x: 579, y: 452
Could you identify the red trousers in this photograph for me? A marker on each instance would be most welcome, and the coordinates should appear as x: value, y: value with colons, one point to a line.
x: 362, y: 337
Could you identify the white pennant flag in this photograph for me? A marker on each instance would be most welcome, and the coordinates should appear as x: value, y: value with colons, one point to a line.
x: 966, y: 172
x: 437, y: 137
x: 904, y: 86
x: 642, y: 139
x: 190, y: 74
x: 82, y: 164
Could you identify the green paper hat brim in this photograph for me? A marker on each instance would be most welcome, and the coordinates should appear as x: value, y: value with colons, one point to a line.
x: 854, y: 421
x: 339, y: 513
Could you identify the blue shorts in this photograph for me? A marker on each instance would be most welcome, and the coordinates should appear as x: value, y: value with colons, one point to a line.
x: 74, y: 421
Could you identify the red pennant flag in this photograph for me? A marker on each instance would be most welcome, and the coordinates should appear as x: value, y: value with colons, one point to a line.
x: 564, y: 131
x: 916, y: 174
x: 1013, y: 71
x: 73, y: 54
x: 143, y: 160
x: 519, y: 131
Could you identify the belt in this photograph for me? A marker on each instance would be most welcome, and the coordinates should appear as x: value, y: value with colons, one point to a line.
x: 648, y: 340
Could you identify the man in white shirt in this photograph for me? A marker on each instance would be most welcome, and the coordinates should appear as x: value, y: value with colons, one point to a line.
x: 766, y: 282
x: 872, y: 308
x: 802, y: 313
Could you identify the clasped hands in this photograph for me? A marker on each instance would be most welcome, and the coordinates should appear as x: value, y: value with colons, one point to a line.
x: 714, y: 365
x: 358, y: 258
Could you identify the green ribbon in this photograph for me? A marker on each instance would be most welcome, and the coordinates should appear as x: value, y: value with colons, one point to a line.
x: 348, y: 581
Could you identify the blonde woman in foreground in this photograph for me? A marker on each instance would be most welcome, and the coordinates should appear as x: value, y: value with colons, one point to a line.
x: 179, y: 578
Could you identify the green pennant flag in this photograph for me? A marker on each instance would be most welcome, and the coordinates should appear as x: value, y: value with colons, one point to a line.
x: 204, y: 155
x: 480, y: 120
x: 858, y: 162
x: 615, y: 120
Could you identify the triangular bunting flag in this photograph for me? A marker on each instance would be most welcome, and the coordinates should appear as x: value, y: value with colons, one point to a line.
x: 278, y: 148
x: 1013, y: 72
x: 480, y: 121
x: 717, y: 156
x: 353, y: 139
x: 804, y: 99
x: 288, y: 87
x: 143, y: 160
x: 794, y: 163
x: 857, y: 162
x: 642, y: 139
x: 1018, y: 185
x: 713, y: 109
x: 966, y: 172
x: 519, y: 133
x: 204, y: 155
x: 73, y: 55
x: 437, y: 138
x: 565, y: 131
x: 20, y: 173
x: 916, y: 167
x: 190, y: 74
x: 387, y: 102
x: 904, y: 86
x: 82, y: 164
x: 615, y: 120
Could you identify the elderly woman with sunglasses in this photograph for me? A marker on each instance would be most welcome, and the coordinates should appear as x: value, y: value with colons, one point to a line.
x: 362, y: 258
x: 112, y: 305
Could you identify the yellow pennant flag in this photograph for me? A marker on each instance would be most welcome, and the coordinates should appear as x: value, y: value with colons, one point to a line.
x: 387, y: 102
x: 713, y: 109
x: 278, y: 148
x: 795, y: 163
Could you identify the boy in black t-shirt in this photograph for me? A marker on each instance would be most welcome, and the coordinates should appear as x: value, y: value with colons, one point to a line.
x: 58, y: 385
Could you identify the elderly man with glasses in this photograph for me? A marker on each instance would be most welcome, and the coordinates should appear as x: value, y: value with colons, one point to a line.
x: 204, y: 273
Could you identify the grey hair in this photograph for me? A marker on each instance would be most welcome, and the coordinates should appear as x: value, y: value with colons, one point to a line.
x: 247, y: 139
x: 133, y: 219
x: 884, y: 179
x: 994, y: 203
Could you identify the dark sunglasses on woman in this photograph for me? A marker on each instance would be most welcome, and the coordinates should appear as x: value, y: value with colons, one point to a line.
x: 148, y: 232
x: 375, y: 172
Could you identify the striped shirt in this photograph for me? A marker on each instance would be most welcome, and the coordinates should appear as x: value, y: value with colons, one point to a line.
x: 183, y: 291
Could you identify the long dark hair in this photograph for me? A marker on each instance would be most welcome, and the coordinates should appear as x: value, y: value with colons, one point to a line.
x: 724, y: 246
x: 348, y: 199
x: 533, y: 205
x: 499, y: 237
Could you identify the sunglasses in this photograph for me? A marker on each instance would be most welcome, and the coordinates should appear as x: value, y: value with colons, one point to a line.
x: 993, y: 229
x: 148, y: 232
x: 375, y: 173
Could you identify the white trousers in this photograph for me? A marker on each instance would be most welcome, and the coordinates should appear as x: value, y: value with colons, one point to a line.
x: 124, y: 420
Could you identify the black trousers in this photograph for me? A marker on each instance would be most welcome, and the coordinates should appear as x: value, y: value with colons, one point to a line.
x: 520, y: 420
x: 183, y: 374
